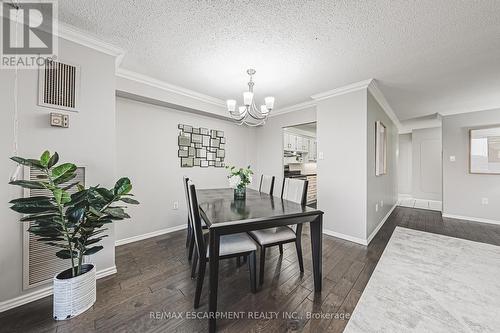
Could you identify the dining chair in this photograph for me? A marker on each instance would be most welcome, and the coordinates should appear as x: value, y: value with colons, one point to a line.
x: 231, y: 246
x: 293, y: 190
x: 190, y: 235
x: 266, y: 184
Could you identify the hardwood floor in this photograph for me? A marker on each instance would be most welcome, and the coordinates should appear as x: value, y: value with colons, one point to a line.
x: 153, y: 279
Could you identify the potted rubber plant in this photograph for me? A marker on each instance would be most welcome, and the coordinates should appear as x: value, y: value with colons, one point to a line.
x: 73, y: 223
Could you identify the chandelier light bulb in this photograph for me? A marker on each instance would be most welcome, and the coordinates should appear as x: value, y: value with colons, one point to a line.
x: 247, y: 98
x: 269, y: 102
x: 231, y: 105
x: 264, y: 109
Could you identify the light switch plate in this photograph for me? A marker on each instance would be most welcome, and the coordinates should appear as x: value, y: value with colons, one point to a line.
x: 59, y: 120
x: 320, y: 155
x: 453, y: 158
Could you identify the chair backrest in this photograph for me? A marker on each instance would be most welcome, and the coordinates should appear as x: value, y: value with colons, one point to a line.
x: 295, y: 190
x: 266, y: 184
x: 185, y: 181
x: 196, y: 219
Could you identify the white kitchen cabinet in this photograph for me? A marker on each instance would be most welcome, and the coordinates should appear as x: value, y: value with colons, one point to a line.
x: 294, y: 142
x: 288, y: 141
x: 313, y: 150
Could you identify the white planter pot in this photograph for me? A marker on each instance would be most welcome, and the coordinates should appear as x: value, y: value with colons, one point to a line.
x: 74, y: 295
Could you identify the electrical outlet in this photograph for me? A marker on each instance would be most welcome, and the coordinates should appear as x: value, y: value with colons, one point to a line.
x: 484, y: 201
x: 376, y: 207
x: 320, y: 155
x: 176, y: 205
x: 453, y: 158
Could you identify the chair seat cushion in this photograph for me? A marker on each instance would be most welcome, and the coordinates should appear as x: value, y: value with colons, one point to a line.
x: 235, y: 243
x: 273, y: 235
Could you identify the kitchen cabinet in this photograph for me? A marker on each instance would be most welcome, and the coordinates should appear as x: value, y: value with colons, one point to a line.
x: 313, y: 150
x: 289, y: 142
x: 293, y: 142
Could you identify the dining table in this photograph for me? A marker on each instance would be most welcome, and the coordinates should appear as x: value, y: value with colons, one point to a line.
x: 224, y: 215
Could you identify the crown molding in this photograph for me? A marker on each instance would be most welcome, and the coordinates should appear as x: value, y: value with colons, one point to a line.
x: 75, y: 35
x: 292, y: 108
x: 379, y: 96
x: 342, y: 90
x: 147, y: 80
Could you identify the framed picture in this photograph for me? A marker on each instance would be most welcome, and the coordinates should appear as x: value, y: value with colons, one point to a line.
x: 380, y: 149
x: 484, y: 150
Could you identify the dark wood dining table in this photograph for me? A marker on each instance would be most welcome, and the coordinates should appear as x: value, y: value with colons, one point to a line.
x: 224, y: 215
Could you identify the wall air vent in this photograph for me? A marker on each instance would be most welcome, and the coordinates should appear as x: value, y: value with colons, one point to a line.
x: 58, y: 85
x: 40, y: 263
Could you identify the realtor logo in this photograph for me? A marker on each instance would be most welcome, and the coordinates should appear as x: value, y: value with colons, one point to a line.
x: 28, y: 33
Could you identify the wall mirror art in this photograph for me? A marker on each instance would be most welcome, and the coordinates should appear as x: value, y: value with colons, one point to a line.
x: 484, y: 150
x: 380, y: 149
x: 201, y: 147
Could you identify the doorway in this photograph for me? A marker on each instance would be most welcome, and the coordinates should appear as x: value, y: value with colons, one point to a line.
x: 300, y: 156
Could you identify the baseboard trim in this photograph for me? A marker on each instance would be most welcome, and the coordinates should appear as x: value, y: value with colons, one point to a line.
x: 44, y: 292
x: 469, y: 218
x: 149, y: 235
x: 345, y: 237
x: 374, y: 232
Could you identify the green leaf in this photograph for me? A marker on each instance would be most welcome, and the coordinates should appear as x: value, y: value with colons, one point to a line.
x: 61, y: 170
x: 53, y: 160
x: 61, y: 196
x: 70, y: 185
x: 65, y: 178
x: 44, y: 159
x: 30, y: 199
x: 122, y: 186
x: 29, y: 184
x: 75, y: 215
x: 94, y: 240
x: 117, y: 212
x: 28, y: 162
x: 93, y: 250
x: 105, y: 193
x: 65, y: 254
x: 130, y: 201
x: 34, y: 217
x: 50, y: 239
x: 34, y: 207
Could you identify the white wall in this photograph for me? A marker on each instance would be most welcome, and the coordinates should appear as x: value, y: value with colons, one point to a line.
x: 146, y: 137
x: 342, y: 189
x: 426, y: 164
x: 381, y: 190
x: 89, y: 141
x: 269, y: 141
x: 462, y: 191
x: 405, y: 173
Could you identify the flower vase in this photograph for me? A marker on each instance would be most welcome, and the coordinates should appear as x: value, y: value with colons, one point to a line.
x: 240, y: 193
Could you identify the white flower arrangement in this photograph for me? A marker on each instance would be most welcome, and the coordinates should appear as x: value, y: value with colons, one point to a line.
x: 240, y: 178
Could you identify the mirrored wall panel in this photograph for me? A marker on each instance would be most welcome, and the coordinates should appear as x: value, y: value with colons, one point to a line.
x: 201, y: 147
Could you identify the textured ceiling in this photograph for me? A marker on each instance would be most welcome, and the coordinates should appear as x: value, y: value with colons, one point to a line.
x: 429, y: 55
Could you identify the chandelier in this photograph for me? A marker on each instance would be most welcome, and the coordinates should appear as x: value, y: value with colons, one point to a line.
x: 248, y: 113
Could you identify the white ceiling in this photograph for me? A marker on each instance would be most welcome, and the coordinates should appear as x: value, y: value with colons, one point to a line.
x: 429, y: 55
